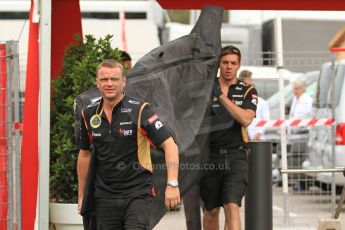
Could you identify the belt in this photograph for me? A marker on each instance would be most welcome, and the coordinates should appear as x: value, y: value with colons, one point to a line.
x: 225, y: 149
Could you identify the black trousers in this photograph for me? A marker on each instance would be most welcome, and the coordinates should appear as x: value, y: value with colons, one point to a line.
x: 124, y: 214
x: 191, y: 204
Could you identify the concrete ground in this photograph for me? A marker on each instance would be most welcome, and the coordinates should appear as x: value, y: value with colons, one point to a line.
x: 177, y: 221
x: 306, y: 211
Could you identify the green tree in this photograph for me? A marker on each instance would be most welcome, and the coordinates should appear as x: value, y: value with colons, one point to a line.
x: 78, y: 74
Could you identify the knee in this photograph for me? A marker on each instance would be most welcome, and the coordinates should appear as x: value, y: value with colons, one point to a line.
x: 232, y: 208
x: 213, y: 213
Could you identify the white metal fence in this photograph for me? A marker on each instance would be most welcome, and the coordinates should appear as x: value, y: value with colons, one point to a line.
x: 309, y: 196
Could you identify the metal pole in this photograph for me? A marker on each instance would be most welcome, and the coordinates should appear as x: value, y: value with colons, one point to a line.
x: 280, y: 65
x: 9, y: 136
x: 258, y: 202
x: 333, y: 131
x: 340, y: 204
x: 332, y: 170
x: 16, y: 86
x: 44, y: 113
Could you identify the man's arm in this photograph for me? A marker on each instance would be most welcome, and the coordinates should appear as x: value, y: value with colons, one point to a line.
x: 242, y: 116
x: 172, y: 195
x: 82, y: 169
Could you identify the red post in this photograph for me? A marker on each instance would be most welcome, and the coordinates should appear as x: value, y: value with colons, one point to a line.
x: 29, y: 158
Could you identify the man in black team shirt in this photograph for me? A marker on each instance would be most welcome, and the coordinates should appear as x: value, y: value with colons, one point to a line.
x: 234, y: 107
x: 120, y: 129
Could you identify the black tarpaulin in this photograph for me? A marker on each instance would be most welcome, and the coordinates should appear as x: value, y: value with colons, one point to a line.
x: 176, y: 79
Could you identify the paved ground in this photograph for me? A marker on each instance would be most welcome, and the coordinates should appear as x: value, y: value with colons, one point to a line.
x: 306, y: 209
x: 176, y: 221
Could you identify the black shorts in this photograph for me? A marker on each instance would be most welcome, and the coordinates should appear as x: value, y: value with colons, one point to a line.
x: 130, y: 213
x: 226, y: 179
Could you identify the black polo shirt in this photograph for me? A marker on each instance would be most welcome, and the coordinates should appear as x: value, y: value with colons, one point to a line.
x: 118, y: 171
x: 229, y: 131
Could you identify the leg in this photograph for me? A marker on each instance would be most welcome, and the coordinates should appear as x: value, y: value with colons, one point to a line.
x: 210, y: 192
x: 191, y: 204
x: 234, y: 188
x: 232, y: 215
x: 137, y: 214
x: 211, y: 219
x: 109, y: 213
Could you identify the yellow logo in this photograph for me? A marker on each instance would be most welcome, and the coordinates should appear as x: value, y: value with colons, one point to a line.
x: 95, y: 121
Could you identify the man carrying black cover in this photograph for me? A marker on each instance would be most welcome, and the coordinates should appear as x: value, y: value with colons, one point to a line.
x: 226, y: 180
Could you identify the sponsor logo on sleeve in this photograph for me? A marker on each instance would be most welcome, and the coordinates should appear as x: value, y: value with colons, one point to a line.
x: 152, y: 118
x: 254, y: 101
x: 158, y: 125
x: 239, y: 103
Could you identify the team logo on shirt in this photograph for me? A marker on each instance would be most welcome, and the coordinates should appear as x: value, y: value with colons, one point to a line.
x: 95, y: 121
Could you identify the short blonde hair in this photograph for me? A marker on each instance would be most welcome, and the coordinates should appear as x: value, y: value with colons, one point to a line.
x: 110, y: 63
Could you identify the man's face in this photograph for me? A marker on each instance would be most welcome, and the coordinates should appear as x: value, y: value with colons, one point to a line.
x: 110, y: 83
x: 297, y: 90
x: 229, y: 65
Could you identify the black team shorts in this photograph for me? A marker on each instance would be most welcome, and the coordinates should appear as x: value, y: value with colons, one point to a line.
x: 226, y: 179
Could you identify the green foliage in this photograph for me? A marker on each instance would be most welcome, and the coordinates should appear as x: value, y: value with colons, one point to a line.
x: 78, y: 74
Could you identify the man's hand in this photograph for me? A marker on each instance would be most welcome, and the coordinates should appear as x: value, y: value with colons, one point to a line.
x: 217, y: 90
x: 172, y: 197
x: 80, y: 202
